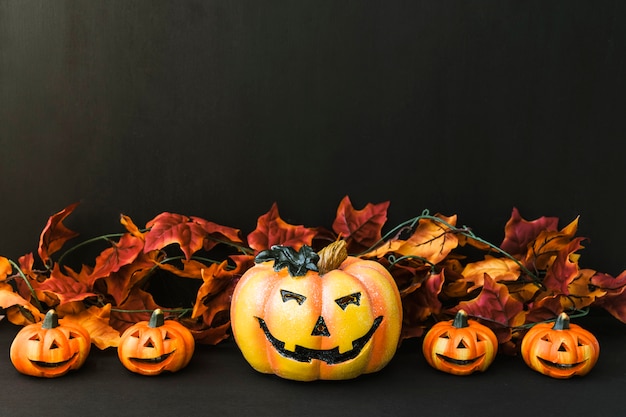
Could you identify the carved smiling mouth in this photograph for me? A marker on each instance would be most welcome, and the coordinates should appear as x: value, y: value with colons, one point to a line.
x: 330, y: 356
x: 563, y: 366
x: 155, y: 360
x: 461, y: 362
x: 42, y: 364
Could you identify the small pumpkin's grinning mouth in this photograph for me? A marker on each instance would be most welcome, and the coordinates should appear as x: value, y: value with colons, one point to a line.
x: 557, y: 365
x: 158, y: 359
x: 43, y: 364
x: 461, y: 362
x: 330, y: 356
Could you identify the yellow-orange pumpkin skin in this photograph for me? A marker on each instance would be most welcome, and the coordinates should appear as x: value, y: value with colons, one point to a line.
x: 154, y: 346
x: 311, y: 325
x: 460, y: 346
x: 50, y: 348
x: 560, y: 350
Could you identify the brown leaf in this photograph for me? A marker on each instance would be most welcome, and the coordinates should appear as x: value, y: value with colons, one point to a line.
x: 138, y: 306
x: 170, y: 228
x: 518, y: 232
x: 55, y: 234
x: 272, y: 230
x: 24, y: 314
x: 190, y: 269
x: 563, y: 267
x: 361, y: 228
x: 216, y: 233
x: 8, y: 297
x: 542, y: 251
x: 121, y: 283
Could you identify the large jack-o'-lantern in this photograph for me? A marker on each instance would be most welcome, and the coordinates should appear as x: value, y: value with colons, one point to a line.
x: 460, y: 346
x: 50, y: 348
x: 561, y: 350
x: 304, y: 316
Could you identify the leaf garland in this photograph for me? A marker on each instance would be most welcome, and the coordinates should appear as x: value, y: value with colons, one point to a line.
x: 531, y: 277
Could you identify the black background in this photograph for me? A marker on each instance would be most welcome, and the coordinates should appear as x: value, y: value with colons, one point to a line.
x: 218, y: 109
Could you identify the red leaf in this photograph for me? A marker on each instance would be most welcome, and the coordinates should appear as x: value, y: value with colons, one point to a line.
x: 169, y: 228
x: 120, y: 284
x: 66, y: 288
x: 55, y: 234
x: 360, y: 226
x: 609, y: 283
x: 121, y: 253
x: 518, y: 232
x: 272, y: 230
x: 138, y: 300
x: 563, y: 270
x: 494, y: 304
x: 546, y: 308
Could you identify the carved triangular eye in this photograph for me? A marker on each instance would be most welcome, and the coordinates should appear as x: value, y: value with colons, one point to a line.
x: 54, y: 345
x: 346, y: 300
x: 562, y: 348
x: 35, y: 337
x: 581, y: 343
x: 288, y: 295
x: 479, y: 338
x: 445, y: 336
x: 135, y: 334
x: 149, y: 343
x: 167, y: 336
x: 461, y: 345
x: 546, y: 338
x: 72, y: 335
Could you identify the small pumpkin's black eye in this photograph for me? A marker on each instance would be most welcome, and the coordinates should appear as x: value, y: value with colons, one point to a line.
x: 346, y: 300
x: 288, y: 295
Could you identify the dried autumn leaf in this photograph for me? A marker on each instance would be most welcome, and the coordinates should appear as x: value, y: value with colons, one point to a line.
x: 543, y: 250
x: 65, y: 288
x: 121, y: 253
x: 127, y: 222
x: 121, y: 283
x: 363, y: 226
x: 500, y: 269
x: 424, y: 301
x: 216, y: 278
x: 24, y: 314
x: 495, y: 305
x: 581, y: 293
x: 170, y: 228
x: 563, y: 269
x: 190, y: 269
x: 138, y: 306
x: 546, y: 308
x: 5, y: 268
x: 518, y: 232
x: 96, y: 321
x: 55, y: 234
x: 432, y: 240
x: 8, y: 297
x: 272, y: 230
x: 216, y: 233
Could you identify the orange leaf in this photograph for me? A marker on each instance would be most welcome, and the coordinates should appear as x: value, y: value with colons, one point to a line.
x: 216, y: 234
x: 137, y: 300
x: 543, y: 250
x: 500, y: 269
x: 96, y: 321
x: 563, y: 267
x: 191, y: 268
x: 5, y: 268
x: 55, y: 234
x: 360, y: 226
x: 119, y: 254
x: 119, y: 284
x: 8, y: 297
x: 272, y: 230
x: 218, y: 283
x: 432, y: 240
x: 127, y: 222
x: 24, y: 314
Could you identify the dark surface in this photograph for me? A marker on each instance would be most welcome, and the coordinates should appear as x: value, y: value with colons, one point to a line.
x: 219, y: 382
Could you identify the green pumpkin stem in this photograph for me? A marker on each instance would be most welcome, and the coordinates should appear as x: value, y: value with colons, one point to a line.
x: 562, y: 322
x: 297, y: 262
x: 157, y: 318
x: 51, y: 320
x: 460, y: 320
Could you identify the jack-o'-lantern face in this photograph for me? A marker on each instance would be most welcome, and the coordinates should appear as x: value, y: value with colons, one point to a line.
x: 460, y: 346
x: 561, y: 350
x: 50, y: 349
x: 151, y: 347
x: 333, y: 324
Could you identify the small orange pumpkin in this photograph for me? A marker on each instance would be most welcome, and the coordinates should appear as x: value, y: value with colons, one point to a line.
x: 304, y: 316
x: 460, y: 346
x: 50, y: 348
x: 561, y: 350
x: 151, y: 347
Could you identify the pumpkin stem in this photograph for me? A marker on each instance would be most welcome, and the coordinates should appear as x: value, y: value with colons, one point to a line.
x: 51, y: 320
x: 562, y: 322
x: 157, y: 319
x: 460, y: 320
x: 332, y: 256
x: 297, y: 262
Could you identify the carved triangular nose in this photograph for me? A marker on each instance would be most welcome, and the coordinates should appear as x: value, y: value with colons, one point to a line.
x: 320, y: 328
